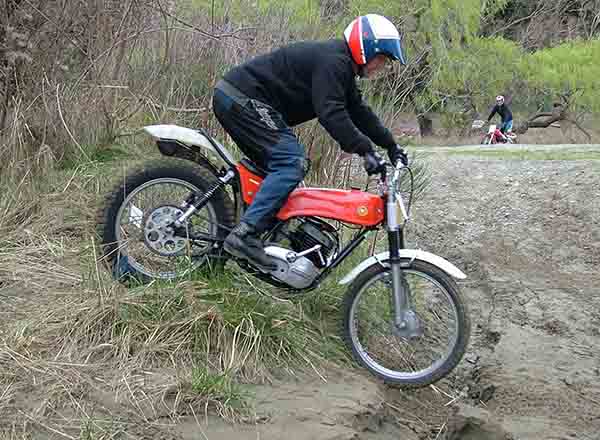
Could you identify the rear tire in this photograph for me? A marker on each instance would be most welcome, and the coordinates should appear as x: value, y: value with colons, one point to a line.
x: 170, y: 170
x: 406, y: 378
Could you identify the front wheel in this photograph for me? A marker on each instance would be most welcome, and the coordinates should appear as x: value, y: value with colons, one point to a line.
x: 487, y: 140
x: 370, y: 332
x: 137, y: 239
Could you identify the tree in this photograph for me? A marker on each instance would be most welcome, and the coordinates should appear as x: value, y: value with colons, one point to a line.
x: 570, y: 70
x: 568, y: 75
x: 434, y: 31
x: 473, y: 74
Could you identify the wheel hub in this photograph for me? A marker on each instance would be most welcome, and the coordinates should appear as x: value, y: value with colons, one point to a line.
x: 159, y: 236
x: 409, y: 327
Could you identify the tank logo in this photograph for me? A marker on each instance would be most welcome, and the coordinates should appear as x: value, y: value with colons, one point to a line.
x: 362, y: 211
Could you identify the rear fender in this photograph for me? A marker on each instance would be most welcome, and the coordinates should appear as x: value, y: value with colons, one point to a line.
x: 194, y: 145
x: 411, y: 254
x: 188, y: 138
x: 176, y: 149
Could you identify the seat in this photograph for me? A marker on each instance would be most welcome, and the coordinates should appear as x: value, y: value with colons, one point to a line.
x: 253, y: 168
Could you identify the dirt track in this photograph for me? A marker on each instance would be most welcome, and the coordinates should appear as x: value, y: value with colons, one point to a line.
x: 527, y: 234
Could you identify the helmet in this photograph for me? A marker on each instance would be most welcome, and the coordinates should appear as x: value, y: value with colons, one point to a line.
x: 370, y: 35
x: 499, y: 99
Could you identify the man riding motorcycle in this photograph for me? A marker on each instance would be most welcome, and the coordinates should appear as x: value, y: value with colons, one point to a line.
x: 505, y: 115
x: 258, y: 101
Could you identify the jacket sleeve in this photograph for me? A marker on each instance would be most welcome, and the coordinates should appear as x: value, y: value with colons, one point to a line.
x: 494, y: 111
x: 368, y: 122
x: 329, y: 84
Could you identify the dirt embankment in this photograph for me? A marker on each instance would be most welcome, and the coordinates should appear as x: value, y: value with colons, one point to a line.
x: 527, y: 234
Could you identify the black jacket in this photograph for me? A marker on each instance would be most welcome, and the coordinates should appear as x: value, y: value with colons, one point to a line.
x: 503, y: 111
x: 314, y: 79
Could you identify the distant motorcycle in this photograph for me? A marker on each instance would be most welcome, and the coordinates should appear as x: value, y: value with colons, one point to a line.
x: 495, y: 135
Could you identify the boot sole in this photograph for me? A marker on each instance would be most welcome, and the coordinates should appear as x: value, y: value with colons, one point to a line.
x: 240, y: 255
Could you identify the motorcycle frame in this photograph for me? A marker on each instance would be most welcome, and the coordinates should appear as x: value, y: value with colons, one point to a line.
x: 230, y: 175
x: 189, y: 144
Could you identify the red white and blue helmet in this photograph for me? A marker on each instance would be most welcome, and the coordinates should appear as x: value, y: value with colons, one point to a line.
x: 371, y: 35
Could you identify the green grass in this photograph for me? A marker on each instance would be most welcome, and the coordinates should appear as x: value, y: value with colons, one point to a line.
x: 219, y: 387
x: 561, y: 154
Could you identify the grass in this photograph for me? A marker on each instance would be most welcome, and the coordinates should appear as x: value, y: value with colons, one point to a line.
x: 69, y: 331
x: 220, y: 387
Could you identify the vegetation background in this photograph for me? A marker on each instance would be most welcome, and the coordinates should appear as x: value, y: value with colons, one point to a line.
x: 78, y: 77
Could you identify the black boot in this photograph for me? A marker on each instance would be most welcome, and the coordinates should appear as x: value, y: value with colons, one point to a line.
x: 242, y: 243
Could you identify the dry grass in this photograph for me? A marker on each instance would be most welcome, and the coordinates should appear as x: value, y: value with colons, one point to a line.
x: 83, y: 357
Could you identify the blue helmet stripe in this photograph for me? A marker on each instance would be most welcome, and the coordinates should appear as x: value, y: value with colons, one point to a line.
x: 368, y: 39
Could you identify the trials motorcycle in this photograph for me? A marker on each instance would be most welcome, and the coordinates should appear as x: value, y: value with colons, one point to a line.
x: 494, y: 135
x: 404, y: 318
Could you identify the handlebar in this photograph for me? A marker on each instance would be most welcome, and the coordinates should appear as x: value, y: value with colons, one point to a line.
x: 397, y: 168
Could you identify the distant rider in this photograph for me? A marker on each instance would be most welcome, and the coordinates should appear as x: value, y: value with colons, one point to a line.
x: 505, y: 114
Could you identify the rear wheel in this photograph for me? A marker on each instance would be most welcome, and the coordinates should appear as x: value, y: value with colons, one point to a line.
x: 377, y: 345
x: 134, y: 223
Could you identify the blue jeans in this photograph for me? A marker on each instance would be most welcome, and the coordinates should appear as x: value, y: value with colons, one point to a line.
x: 265, y: 138
x: 285, y: 166
x: 506, y: 126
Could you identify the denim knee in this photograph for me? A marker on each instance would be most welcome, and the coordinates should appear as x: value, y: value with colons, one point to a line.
x: 297, y: 169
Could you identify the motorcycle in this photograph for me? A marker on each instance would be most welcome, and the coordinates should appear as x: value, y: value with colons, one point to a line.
x: 404, y: 317
x: 495, y: 135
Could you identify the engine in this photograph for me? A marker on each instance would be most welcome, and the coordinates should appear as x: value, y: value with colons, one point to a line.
x: 310, y: 233
x: 313, y: 243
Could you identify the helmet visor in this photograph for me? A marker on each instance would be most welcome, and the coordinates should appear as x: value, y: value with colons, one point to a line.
x: 391, y: 47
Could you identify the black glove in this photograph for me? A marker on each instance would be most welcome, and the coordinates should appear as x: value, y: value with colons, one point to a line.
x: 396, y: 154
x: 374, y: 163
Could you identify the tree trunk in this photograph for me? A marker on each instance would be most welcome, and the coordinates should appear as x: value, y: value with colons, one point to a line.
x: 425, y: 125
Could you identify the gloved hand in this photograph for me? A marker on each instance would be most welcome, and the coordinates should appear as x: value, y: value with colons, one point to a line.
x: 396, y: 154
x: 374, y: 163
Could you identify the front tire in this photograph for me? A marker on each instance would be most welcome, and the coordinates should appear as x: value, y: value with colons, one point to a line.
x: 403, y: 369
x: 126, y: 239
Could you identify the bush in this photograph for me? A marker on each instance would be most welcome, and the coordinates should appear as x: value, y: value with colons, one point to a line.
x: 570, y: 70
x: 473, y: 75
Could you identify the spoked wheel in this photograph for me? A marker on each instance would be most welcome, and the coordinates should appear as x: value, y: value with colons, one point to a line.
x: 487, y: 140
x: 441, y: 315
x: 135, y: 224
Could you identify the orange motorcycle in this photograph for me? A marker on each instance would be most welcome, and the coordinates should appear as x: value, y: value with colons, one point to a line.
x: 404, y: 317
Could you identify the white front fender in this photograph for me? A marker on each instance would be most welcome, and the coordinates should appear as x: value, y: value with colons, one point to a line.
x: 412, y: 254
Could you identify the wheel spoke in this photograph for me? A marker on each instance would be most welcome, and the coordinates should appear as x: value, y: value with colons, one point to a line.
x: 386, y: 352
x: 146, y: 236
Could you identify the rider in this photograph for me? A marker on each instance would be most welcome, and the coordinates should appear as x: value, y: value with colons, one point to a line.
x: 505, y: 114
x: 258, y: 101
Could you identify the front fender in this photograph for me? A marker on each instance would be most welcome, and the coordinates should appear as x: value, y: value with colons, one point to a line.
x: 412, y: 254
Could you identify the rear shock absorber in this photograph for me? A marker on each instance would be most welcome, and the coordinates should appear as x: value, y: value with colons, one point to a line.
x: 199, y: 202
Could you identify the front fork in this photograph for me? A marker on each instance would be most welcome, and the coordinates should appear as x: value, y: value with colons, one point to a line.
x: 406, y: 323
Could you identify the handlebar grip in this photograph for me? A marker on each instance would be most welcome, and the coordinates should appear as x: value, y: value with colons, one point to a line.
x: 383, y: 175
